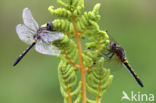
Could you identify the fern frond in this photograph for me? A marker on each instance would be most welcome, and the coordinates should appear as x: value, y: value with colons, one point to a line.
x: 68, y: 50
x: 64, y: 26
x: 78, y: 93
x: 63, y: 4
x: 67, y: 78
x: 60, y: 12
x: 77, y: 25
x: 94, y: 15
x: 99, y: 79
x: 91, y: 101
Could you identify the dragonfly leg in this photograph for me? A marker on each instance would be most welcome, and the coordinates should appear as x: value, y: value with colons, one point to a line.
x: 106, y: 54
x: 111, y: 56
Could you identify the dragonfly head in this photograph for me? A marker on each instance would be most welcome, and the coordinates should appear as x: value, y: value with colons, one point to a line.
x: 113, y: 45
x: 50, y: 26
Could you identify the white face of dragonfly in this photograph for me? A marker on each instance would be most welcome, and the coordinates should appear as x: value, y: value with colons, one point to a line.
x: 30, y: 29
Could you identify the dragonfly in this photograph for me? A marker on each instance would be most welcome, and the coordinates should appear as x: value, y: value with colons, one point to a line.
x: 116, y: 49
x: 40, y: 37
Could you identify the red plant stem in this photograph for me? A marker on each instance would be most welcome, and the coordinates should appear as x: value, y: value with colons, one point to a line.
x: 82, y: 70
x: 70, y: 61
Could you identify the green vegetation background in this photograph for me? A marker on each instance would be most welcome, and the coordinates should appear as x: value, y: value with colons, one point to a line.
x: 34, y: 80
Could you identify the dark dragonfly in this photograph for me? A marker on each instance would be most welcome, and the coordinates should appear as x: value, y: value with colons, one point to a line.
x: 116, y: 49
x: 40, y: 37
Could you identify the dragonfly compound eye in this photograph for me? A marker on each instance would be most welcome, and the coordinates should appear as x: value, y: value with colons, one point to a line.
x: 50, y: 26
x: 113, y: 45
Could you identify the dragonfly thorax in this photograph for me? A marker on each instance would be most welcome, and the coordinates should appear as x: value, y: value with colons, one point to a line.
x: 37, y: 35
x: 118, y: 50
x: 39, y: 31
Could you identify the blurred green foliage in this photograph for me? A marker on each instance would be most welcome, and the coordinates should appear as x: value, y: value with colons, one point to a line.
x: 34, y: 80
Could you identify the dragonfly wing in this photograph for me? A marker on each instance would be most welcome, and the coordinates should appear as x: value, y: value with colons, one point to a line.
x: 45, y: 48
x: 29, y: 21
x: 51, y: 36
x: 111, y: 38
x: 24, y: 33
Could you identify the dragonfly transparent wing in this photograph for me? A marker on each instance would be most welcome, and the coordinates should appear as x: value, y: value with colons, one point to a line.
x: 24, y: 33
x: 29, y: 21
x: 111, y: 38
x: 51, y: 36
x: 45, y: 48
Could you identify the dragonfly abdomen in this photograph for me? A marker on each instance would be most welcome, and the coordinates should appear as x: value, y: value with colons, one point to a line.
x: 23, y: 54
x: 133, y: 73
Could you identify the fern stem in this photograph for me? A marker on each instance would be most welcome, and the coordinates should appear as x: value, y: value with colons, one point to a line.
x: 70, y: 61
x: 82, y: 70
x: 98, y: 95
x: 69, y: 96
x: 68, y: 91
